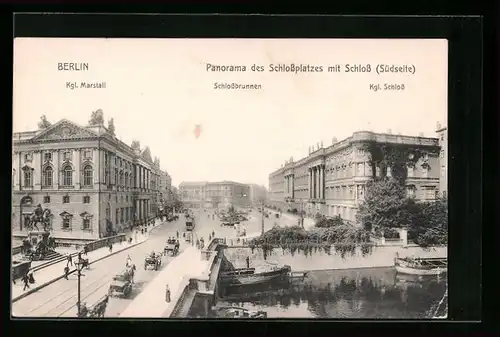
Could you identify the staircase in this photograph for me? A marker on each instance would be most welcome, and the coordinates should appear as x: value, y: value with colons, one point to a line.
x: 52, y: 255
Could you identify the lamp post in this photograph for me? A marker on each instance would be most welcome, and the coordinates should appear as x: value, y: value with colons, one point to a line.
x: 262, y: 211
x: 79, y: 267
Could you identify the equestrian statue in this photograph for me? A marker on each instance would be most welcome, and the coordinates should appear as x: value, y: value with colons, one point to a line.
x: 39, y: 216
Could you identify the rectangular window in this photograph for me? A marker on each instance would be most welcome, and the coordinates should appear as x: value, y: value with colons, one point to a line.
x: 86, y: 199
x: 425, y: 172
x: 66, y: 223
x: 86, y: 224
x: 48, y: 156
x: 117, y: 215
x: 66, y: 199
x: 442, y: 154
x: 46, y: 199
x: 28, y: 178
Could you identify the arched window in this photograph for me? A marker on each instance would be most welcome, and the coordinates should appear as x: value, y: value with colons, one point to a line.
x: 47, y: 176
x: 88, y: 174
x: 28, y: 177
x: 121, y: 178
x: 67, y: 176
x: 126, y: 179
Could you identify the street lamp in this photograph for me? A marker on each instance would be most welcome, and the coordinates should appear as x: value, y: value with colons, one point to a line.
x: 79, y: 267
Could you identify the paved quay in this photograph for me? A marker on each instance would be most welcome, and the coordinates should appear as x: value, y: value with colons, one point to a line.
x: 151, y: 302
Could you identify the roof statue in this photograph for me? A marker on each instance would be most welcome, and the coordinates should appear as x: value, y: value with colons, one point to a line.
x: 97, y: 117
x: 421, y: 134
x: 321, y: 144
x: 438, y: 126
x: 389, y: 131
x: 334, y: 140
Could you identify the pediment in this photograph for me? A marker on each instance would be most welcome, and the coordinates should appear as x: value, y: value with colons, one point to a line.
x: 64, y: 129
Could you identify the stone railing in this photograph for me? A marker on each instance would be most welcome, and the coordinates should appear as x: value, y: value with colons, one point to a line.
x: 104, y: 242
x: 17, y: 250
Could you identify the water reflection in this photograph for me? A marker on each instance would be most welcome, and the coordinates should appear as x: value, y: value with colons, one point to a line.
x: 359, y: 293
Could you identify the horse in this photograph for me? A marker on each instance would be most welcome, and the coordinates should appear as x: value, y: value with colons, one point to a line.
x: 100, y: 308
x: 131, y: 272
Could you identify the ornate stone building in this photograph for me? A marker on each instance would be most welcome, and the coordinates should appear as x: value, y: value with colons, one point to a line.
x: 331, y: 180
x: 92, y: 182
x: 214, y: 194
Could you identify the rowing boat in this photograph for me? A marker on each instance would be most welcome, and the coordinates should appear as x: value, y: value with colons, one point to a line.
x: 421, y: 266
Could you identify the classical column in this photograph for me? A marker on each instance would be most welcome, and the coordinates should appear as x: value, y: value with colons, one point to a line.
x: 57, y: 168
x: 96, y: 172
x: 316, y: 183
x: 322, y: 182
x: 37, y: 173
x: 309, y: 181
x: 292, y: 183
x: 78, y: 174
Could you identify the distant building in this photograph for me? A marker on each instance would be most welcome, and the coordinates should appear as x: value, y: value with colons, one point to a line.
x: 93, y: 183
x: 165, y: 188
x: 258, y: 193
x: 331, y: 181
x: 214, y: 194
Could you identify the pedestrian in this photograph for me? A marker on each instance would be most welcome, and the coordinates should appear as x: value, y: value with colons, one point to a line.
x: 177, y: 233
x: 85, y: 249
x: 248, y: 262
x: 66, y: 272
x: 213, y: 234
x: 167, y: 294
x: 110, y: 247
x: 31, y: 277
x: 26, y: 281
x: 79, y: 257
x: 70, y: 260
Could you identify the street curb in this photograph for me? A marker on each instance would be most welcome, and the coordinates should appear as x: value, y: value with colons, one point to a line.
x: 32, y: 290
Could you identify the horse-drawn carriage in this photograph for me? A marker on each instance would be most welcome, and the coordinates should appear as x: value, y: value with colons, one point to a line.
x: 122, y: 283
x: 171, y: 247
x: 153, y: 260
x: 96, y: 311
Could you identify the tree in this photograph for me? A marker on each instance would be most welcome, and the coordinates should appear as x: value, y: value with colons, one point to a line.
x: 385, y: 206
x: 97, y: 117
x: 324, y: 222
x: 395, y: 158
x: 136, y: 145
x: 111, y: 126
x: 44, y: 123
x: 429, y: 225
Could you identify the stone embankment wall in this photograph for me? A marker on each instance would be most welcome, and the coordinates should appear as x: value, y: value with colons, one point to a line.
x: 320, y: 260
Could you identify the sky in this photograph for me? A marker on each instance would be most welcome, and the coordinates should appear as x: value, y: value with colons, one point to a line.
x: 159, y: 90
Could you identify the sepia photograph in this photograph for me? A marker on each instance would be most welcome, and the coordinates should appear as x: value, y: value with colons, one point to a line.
x: 229, y: 178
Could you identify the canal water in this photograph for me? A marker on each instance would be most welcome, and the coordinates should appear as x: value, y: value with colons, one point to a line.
x: 345, y: 294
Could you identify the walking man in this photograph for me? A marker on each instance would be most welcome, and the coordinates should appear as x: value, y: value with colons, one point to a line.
x: 66, y: 272
x: 110, y: 247
x: 177, y: 233
x: 213, y: 234
x: 26, y: 281
x: 70, y: 260
x: 248, y: 262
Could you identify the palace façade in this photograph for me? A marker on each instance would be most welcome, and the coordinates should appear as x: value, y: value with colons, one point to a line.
x: 331, y: 180
x: 93, y: 183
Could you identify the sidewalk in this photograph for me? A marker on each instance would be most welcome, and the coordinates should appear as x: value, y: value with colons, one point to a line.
x: 292, y: 220
x: 150, y: 303
x: 52, y: 273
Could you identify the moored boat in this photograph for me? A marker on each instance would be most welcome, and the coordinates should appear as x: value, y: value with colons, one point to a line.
x: 248, y: 276
x: 237, y: 312
x: 421, y: 266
